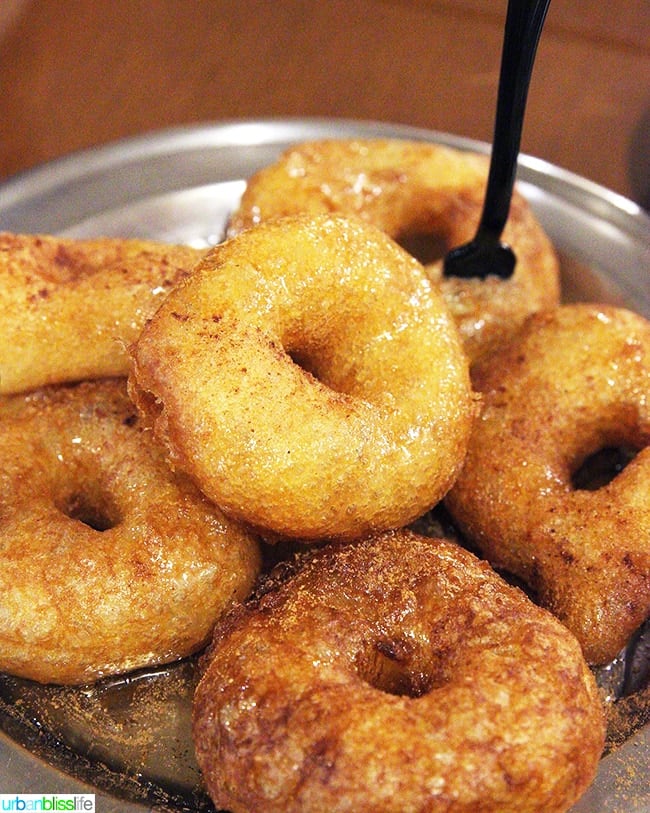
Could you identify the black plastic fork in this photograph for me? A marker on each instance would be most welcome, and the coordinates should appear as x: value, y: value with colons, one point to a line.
x: 486, y: 254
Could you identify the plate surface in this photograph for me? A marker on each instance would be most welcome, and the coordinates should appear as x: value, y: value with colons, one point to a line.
x: 128, y: 740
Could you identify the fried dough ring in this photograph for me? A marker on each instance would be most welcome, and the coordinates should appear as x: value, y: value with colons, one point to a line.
x: 412, y: 190
x: 365, y: 432
x: 108, y: 561
x: 575, y: 382
x: 399, y: 673
x: 70, y: 308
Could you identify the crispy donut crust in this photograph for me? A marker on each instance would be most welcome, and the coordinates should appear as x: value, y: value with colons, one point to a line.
x: 398, y: 673
x: 410, y: 190
x: 70, y: 308
x: 575, y: 382
x: 109, y: 562
x: 366, y: 432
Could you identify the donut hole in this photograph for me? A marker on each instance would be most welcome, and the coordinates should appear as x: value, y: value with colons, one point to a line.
x: 427, y: 248
x: 314, y: 359
x: 600, y: 467
x: 306, y: 362
x: 97, y: 510
x: 390, y: 667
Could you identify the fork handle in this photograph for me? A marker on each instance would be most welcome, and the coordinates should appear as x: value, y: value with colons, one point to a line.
x: 524, y: 23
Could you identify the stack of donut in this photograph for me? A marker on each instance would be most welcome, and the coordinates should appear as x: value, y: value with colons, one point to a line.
x: 309, y: 380
x: 110, y: 561
x: 425, y: 196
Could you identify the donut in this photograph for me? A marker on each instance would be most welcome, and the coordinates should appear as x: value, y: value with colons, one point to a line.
x: 108, y: 561
x: 70, y: 308
x: 309, y: 379
x: 396, y: 673
x: 575, y: 383
x: 426, y: 196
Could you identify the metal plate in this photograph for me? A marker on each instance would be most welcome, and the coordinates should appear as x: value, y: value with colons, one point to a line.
x: 128, y: 740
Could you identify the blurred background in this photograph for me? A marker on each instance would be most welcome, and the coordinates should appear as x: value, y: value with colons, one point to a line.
x: 79, y: 73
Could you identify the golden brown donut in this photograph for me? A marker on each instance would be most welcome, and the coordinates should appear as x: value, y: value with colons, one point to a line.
x: 415, y: 191
x: 108, y: 561
x: 399, y: 673
x: 576, y: 382
x: 309, y: 379
x: 70, y: 308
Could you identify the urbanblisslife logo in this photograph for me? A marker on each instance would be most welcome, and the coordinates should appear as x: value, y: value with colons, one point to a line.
x: 48, y: 802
